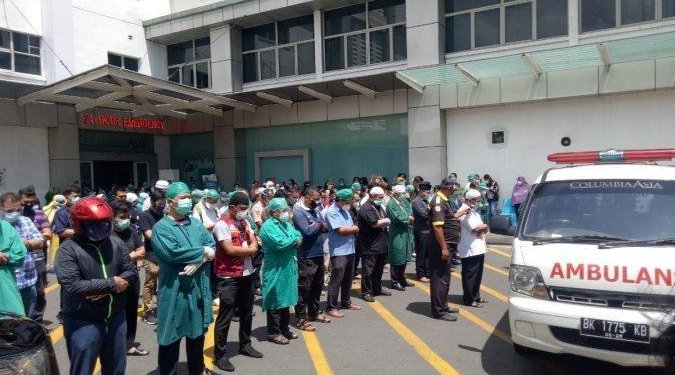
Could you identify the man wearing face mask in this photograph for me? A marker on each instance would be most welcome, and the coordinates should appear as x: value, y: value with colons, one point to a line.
x: 399, y: 236
x: 421, y: 230
x: 94, y: 274
x: 373, y: 240
x: 62, y: 225
x: 147, y: 221
x: 472, y: 249
x: 26, y: 275
x: 236, y: 245
x: 12, y: 255
x: 182, y: 246
x: 206, y: 211
x: 130, y: 236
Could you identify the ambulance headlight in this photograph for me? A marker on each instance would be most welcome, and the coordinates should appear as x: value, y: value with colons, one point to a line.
x: 528, y: 281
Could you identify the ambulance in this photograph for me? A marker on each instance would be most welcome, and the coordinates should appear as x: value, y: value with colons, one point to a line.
x: 593, y: 264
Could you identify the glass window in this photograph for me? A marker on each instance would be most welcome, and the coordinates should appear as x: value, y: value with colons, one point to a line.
x: 636, y: 11
x: 486, y: 27
x: 131, y: 64
x: 180, y: 53
x: 5, y: 60
x: 4, y: 39
x: 203, y: 48
x: 115, y: 60
x: 268, y: 64
x: 187, y: 75
x: 174, y: 75
x: 250, y: 67
x: 20, y: 42
x: 296, y: 29
x: 379, y: 46
x: 202, y: 72
x: 452, y: 6
x: 335, y: 54
x: 597, y: 14
x: 400, y: 45
x: 551, y: 18
x: 518, y: 22
x: 386, y: 12
x: 258, y: 37
x: 287, y: 61
x: 668, y: 9
x: 306, y: 58
x: 34, y: 45
x: 344, y: 20
x: 27, y: 64
x: 458, y: 33
x: 356, y: 50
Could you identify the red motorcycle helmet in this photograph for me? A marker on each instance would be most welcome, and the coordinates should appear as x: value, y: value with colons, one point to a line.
x: 89, y: 209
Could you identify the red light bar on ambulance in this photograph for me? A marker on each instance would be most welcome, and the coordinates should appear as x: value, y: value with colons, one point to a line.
x: 609, y: 156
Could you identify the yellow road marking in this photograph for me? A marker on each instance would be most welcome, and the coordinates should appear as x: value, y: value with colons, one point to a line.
x: 210, y: 343
x: 486, y: 289
x: 495, y: 269
x: 316, y: 353
x: 499, y: 252
x: 56, y: 334
x: 51, y: 288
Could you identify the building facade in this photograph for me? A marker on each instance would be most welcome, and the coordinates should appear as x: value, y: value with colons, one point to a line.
x: 318, y: 89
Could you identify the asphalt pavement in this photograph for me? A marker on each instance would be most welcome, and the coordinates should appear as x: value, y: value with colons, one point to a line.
x: 395, y: 335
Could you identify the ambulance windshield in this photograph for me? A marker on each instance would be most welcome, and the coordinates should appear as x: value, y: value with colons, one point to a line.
x: 633, y: 210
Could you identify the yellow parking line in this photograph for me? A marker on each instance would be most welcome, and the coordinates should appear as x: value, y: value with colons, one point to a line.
x: 316, y: 353
x: 495, y: 269
x: 51, y: 288
x: 210, y: 343
x: 486, y: 289
x: 499, y: 252
x: 56, y: 334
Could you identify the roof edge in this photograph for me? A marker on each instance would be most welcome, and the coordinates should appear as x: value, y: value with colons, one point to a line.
x: 190, y: 12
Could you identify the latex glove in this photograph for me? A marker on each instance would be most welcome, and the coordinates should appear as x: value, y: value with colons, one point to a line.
x: 190, y: 269
x: 209, y: 253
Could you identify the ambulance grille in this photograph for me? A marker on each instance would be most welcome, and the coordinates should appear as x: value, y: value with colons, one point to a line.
x: 612, y: 299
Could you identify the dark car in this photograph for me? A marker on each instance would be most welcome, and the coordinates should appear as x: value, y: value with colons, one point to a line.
x: 25, y: 347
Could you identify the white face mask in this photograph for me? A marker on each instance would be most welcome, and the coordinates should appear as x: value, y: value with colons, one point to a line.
x: 241, y: 215
x: 284, y: 216
x: 347, y: 206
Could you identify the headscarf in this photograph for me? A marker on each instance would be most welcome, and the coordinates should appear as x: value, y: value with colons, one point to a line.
x: 57, y: 202
x: 345, y: 195
x: 520, y: 191
x: 177, y: 188
x: 277, y: 204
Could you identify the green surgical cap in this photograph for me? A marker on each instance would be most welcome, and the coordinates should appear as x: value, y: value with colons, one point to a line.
x: 211, y: 194
x: 277, y: 204
x: 345, y: 195
x: 230, y: 194
x: 410, y: 188
x: 177, y: 188
x: 356, y: 186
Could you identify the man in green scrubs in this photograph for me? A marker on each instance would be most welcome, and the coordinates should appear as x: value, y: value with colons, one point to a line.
x: 182, y: 245
x: 399, y: 211
x: 12, y: 254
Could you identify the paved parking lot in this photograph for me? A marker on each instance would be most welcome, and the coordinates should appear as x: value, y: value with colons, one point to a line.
x: 394, y: 335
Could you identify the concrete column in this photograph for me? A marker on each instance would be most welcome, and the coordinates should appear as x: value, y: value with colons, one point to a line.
x: 318, y: 44
x: 226, y: 59
x: 225, y: 150
x: 64, y: 149
x: 425, y: 32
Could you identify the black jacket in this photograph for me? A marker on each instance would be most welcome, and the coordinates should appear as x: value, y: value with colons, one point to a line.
x: 84, y: 270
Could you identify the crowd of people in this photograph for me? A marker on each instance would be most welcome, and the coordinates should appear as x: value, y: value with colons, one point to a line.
x: 287, y: 243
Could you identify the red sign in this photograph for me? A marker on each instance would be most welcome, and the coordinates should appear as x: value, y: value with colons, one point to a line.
x: 123, y: 122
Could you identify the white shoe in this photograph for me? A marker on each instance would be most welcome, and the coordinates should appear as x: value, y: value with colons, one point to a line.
x: 216, y: 302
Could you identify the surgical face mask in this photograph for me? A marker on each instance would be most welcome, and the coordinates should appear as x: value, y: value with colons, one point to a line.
x: 520, y: 182
x: 285, y: 216
x: 122, y: 224
x: 97, y: 232
x: 346, y: 206
x: 73, y: 200
x: 241, y: 215
x: 11, y: 217
x: 184, y: 206
x: 377, y: 202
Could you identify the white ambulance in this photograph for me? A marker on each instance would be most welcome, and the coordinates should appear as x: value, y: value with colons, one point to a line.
x: 593, y: 265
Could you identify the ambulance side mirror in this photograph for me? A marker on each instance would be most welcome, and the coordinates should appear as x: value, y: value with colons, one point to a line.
x: 501, y: 225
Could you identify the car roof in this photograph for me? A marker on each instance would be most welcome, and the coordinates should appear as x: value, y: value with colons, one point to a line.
x: 610, y: 171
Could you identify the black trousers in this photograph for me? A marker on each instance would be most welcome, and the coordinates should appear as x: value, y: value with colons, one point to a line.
x: 131, y: 310
x: 397, y: 274
x: 340, y: 284
x: 310, y: 284
x: 421, y: 259
x: 472, y: 275
x: 168, y: 356
x: 278, y: 321
x: 235, y: 293
x: 372, y: 269
x: 440, y: 276
x: 357, y: 258
x: 41, y: 302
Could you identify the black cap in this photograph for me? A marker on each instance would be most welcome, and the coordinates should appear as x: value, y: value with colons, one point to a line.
x: 449, y: 183
x: 424, y: 185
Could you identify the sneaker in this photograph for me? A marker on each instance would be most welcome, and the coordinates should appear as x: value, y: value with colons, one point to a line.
x: 447, y: 317
x: 150, y: 317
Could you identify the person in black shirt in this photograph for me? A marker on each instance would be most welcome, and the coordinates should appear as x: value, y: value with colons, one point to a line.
x: 443, y: 239
x: 146, y: 221
x: 133, y: 248
x: 421, y: 230
x: 373, y: 244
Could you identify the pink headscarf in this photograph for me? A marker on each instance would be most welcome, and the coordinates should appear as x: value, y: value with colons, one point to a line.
x: 520, y: 191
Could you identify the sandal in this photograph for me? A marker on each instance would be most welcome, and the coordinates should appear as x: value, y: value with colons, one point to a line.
x: 137, y: 352
x: 279, y: 340
x: 321, y: 319
x: 305, y: 325
x: 290, y: 335
x: 334, y: 314
x: 480, y: 300
x: 475, y: 304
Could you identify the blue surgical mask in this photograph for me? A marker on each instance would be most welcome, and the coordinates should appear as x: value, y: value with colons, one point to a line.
x: 285, y: 216
x: 377, y: 202
x: 11, y: 217
x: 122, y: 224
x: 184, y: 206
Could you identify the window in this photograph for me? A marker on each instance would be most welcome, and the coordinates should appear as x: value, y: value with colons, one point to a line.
x: 607, y: 14
x: 280, y: 49
x: 473, y: 24
x: 20, y: 52
x: 189, y: 62
x: 668, y: 8
x: 365, y: 34
x: 124, y: 62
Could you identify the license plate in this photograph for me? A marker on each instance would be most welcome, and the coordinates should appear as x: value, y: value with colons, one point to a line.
x: 612, y: 330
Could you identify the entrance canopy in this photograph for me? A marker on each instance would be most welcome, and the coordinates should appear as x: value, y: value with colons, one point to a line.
x: 536, y: 63
x: 115, y: 88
